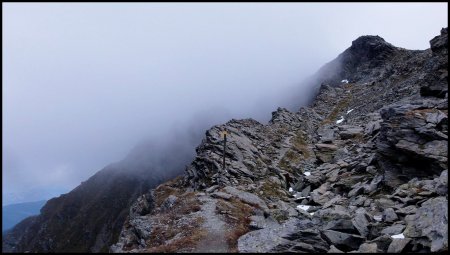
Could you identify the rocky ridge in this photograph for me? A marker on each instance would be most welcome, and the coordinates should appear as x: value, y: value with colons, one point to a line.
x: 364, y: 168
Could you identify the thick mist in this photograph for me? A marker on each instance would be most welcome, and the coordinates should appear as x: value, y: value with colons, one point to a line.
x: 85, y: 83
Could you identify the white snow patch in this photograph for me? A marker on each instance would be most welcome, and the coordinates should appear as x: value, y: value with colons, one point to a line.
x: 291, y: 189
x: 307, y: 173
x: 340, y: 120
x: 303, y: 207
x: 399, y: 236
x: 311, y: 214
x: 377, y: 217
x: 298, y: 196
x: 344, y: 81
x: 349, y: 111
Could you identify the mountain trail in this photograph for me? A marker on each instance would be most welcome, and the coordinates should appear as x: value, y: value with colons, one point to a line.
x: 215, y: 240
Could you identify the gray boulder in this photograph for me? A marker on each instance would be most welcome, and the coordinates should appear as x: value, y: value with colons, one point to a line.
x: 266, y: 239
x: 326, y: 135
x: 389, y: 215
x: 368, y: 248
x: 349, y: 132
x: 325, y: 152
x: 342, y: 225
x: 431, y: 221
x: 382, y: 242
x: 393, y: 230
x: 333, y: 249
x: 372, y: 127
x: 397, y: 245
x: 260, y: 222
x: 361, y: 222
x: 343, y: 241
x: 246, y: 197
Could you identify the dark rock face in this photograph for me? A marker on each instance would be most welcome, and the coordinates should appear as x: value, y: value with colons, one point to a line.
x: 413, y: 139
x: 439, y: 44
x: 372, y: 49
x: 370, y: 58
x: 436, y: 82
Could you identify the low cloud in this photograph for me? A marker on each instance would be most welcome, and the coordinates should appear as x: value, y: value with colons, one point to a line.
x: 84, y: 83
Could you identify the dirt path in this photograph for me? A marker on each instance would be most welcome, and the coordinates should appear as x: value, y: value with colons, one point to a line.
x: 215, y: 241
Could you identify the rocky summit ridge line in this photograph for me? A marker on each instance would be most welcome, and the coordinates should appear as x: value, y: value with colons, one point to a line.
x: 363, y: 168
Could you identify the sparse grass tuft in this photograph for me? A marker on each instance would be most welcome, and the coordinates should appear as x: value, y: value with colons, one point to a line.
x: 358, y: 137
x: 238, y: 216
x: 280, y: 216
x: 299, y: 143
x: 340, y: 107
x: 170, y: 234
x: 189, y: 236
x: 271, y: 189
x: 163, y: 191
x: 289, y: 158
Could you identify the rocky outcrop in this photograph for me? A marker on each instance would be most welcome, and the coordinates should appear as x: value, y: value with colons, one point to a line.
x: 430, y: 221
x: 413, y: 140
x: 435, y: 83
x: 439, y: 44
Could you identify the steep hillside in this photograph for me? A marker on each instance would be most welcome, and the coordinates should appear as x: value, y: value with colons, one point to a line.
x: 363, y: 168
x: 90, y: 217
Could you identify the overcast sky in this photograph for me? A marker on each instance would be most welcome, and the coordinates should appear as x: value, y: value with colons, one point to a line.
x: 83, y: 83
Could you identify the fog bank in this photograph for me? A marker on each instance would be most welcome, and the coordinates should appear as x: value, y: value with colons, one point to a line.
x: 84, y: 83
